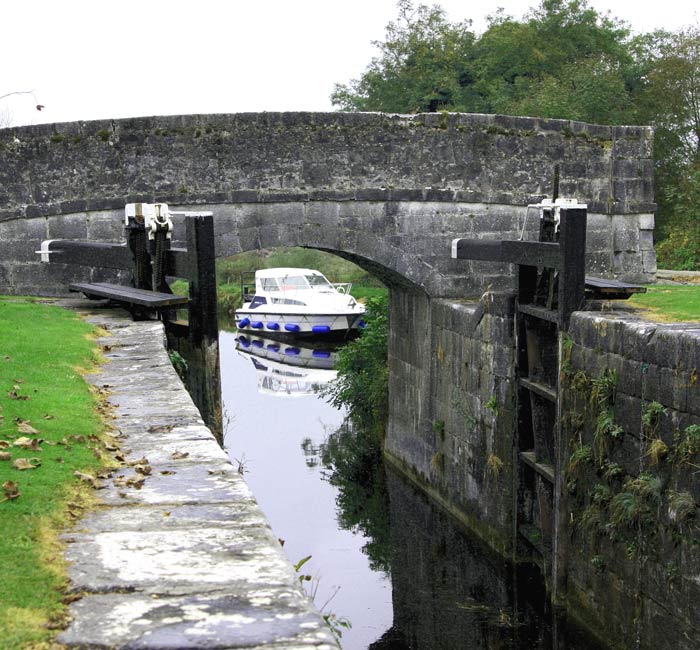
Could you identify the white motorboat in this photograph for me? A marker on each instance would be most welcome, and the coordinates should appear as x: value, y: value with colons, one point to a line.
x: 299, y: 301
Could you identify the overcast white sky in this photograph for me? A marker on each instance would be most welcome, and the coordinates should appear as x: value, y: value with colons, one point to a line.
x: 89, y: 59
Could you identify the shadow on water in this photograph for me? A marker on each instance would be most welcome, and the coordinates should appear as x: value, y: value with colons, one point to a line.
x: 324, y: 487
x: 449, y: 592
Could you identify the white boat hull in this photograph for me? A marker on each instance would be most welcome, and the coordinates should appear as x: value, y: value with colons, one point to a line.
x: 254, y: 320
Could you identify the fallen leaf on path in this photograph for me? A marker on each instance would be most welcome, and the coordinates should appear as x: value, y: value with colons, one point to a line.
x: 88, y: 478
x: 178, y: 455
x: 141, y: 461
x: 161, y: 428
x: 135, y: 482
x: 167, y: 472
x: 143, y: 469
x: 26, y: 463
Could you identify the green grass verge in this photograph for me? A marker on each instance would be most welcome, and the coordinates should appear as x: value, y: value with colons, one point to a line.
x: 669, y: 303
x: 42, y: 349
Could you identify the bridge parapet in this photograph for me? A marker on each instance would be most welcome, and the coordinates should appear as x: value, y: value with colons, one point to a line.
x: 386, y: 190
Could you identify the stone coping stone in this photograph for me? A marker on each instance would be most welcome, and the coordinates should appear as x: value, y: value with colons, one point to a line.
x: 260, y: 619
x: 178, y: 555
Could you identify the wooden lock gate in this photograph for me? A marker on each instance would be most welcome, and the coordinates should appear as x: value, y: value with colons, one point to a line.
x: 551, y: 284
x: 196, y: 339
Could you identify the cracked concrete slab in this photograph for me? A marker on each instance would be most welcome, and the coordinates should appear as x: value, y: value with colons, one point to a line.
x: 178, y: 555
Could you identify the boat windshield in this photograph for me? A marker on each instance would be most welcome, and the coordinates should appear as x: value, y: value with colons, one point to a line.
x: 318, y: 282
x: 293, y: 282
x: 304, y: 282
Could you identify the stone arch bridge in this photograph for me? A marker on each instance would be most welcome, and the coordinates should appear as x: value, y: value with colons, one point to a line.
x: 386, y: 191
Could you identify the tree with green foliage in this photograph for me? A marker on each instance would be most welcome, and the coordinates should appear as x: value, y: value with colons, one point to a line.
x: 425, y: 64
x: 565, y: 60
x: 562, y: 60
x: 670, y: 102
x: 352, y: 455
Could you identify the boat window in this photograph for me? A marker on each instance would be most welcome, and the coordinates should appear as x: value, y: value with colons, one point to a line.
x: 269, y: 284
x: 318, y: 282
x: 257, y: 301
x: 286, y: 301
x: 294, y: 282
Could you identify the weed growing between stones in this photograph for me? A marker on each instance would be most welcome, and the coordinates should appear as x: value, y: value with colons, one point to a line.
x: 609, y: 501
x: 494, y: 465
x: 179, y: 363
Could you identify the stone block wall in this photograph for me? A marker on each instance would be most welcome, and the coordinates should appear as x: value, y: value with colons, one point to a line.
x: 630, y: 432
x: 633, y: 481
x: 21, y: 269
x: 401, y: 242
x: 452, y: 406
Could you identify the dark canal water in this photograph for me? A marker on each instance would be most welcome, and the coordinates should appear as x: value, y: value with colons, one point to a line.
x: 382, y: 556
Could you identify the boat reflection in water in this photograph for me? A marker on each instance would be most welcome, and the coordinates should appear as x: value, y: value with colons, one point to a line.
x: 288, y: 369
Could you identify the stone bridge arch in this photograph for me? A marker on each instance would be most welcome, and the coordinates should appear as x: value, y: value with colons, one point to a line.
x: 389, y: 191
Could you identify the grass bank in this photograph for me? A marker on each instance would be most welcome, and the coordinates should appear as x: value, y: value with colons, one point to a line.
x: 669, y: 303
x: 50, y: 428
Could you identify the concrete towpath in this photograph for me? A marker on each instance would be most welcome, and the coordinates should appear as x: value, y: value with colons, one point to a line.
x: 178, y: 555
